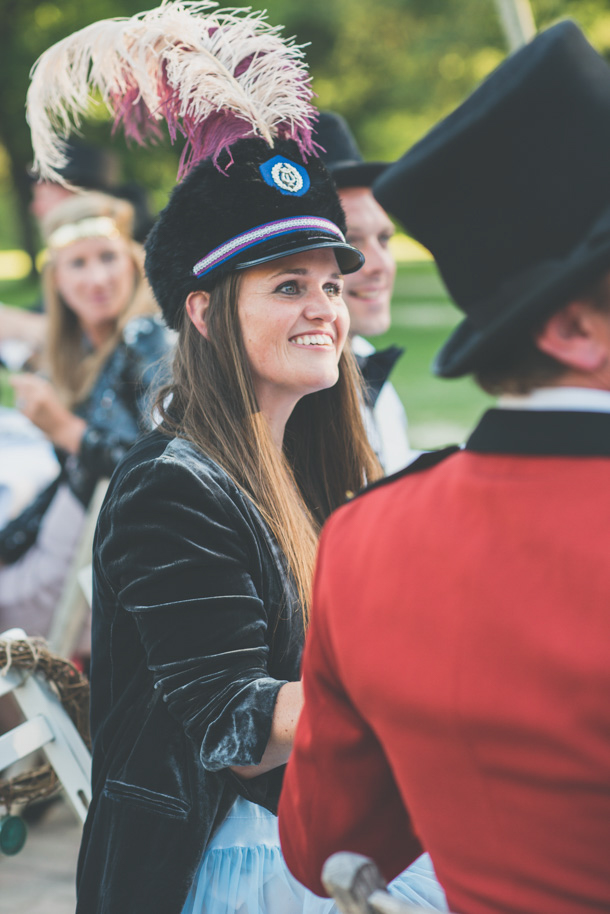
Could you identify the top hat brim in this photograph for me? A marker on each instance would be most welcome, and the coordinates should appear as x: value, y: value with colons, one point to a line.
x: 524, y: 304
x: 349, y: 258
x: 76, y: 178
x: 351, y: 173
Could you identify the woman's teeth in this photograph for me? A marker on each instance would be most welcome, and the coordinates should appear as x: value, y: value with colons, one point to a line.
x: 313, y: 339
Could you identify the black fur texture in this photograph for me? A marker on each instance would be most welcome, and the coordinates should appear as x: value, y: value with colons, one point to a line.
x: 212, y: 206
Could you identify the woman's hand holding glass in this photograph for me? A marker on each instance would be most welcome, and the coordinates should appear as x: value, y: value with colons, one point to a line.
x: 37, y: 399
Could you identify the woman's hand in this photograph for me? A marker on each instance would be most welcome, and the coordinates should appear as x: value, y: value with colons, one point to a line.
x: 20, y: 324
x: 37, y: 400
x: 283, y: 726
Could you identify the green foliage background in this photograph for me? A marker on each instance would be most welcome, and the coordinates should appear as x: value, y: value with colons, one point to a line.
x: 391, y: 67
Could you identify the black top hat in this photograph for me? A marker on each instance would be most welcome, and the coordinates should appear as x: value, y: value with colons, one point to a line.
x: 341, y: 155
x: 259, y: 203
x: 94, y: 168
x: 511, y: 194
x: 88, y: 166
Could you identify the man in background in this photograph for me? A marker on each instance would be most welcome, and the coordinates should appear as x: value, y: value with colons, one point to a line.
x: 368, y: 292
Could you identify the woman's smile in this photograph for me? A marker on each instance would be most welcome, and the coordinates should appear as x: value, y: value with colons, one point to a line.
x: 314, y: 340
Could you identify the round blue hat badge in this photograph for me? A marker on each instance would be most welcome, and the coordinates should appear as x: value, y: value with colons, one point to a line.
x: 286, y: 176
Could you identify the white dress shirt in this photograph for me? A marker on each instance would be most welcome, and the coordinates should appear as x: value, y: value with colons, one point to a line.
x: 573, y: 399
x: 386, y: 423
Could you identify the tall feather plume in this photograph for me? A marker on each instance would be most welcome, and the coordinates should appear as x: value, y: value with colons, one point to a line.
x: 213, y: 75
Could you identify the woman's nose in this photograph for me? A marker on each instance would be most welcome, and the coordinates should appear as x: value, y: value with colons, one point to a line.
x: 97, y: 274
x: 319, y: 306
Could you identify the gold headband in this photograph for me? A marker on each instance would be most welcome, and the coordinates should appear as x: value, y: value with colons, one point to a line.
x: 94, y: 227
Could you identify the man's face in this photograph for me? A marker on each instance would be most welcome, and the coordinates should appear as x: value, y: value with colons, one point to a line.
x: 368, y: 292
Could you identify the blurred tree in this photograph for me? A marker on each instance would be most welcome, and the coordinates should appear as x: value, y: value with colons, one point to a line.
x: 395, y: 67
x: 392, y: 68
x: 28, y: 28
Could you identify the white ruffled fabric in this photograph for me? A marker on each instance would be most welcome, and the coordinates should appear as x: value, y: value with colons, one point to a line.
x: 243, y: 872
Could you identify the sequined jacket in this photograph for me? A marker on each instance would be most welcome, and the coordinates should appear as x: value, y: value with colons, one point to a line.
x: 116, y: 411
x: 195, y: 629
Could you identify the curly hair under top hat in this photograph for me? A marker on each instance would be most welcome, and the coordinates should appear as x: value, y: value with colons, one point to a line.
x: 511, y: 194
x: 254, y: 189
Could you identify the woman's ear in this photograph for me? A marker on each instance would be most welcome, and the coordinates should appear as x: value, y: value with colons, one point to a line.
x: 197, y: 308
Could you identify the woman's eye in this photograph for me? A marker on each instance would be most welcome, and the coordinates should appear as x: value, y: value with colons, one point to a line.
x: 288, y: 288
x: 107, y: 256
x: 333, y: 289
x: 78, y: 263
x: 384, y: 240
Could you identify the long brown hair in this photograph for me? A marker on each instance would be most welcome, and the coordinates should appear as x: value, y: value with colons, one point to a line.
x: 72, y: 366
x: 211, y: 402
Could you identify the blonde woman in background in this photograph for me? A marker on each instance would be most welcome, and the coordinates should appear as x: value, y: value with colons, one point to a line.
x: 104, y: 343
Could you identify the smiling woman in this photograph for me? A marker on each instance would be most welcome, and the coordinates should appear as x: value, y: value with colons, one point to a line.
x: 95, y: 277
x: 208, y: 536
x: 103, y: 342
x: 93, y: 285
x: 206, y: 542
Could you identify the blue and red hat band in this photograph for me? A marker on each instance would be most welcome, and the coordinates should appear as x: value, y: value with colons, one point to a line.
x: 262, y: 233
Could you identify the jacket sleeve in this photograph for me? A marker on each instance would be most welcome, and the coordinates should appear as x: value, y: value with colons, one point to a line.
x: 182, y: 558
x: 139, y: 366
x: 21, y: 532
x: 339, y: 793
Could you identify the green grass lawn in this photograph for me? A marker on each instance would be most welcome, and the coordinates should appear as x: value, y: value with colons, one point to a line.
x: 439, y: 411
x: 21, y: 292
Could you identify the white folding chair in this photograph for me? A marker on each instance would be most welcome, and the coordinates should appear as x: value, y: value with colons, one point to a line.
x: 47, y: 727
x: 75, y: 601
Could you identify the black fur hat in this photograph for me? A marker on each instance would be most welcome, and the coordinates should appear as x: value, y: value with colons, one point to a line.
x: 511, y: 194
x: 259, y: 203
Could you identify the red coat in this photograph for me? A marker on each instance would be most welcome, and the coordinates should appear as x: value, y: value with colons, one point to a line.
x: 457, y: 674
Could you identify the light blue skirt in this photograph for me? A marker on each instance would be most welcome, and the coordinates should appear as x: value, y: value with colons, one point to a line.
x: 243, y: 872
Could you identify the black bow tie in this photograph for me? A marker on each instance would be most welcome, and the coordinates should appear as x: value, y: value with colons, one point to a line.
x: 375, y: 369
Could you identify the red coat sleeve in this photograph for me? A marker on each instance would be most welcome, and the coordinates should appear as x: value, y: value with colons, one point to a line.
x: 339, y: 792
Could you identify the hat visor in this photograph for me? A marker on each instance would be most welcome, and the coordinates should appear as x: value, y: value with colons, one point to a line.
x: 349, y: 258
x: 349, y: 173
x: 471, y: 347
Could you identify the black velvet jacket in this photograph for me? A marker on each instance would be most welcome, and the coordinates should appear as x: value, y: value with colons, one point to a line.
x: 116, y: 411
x: 195, y: 629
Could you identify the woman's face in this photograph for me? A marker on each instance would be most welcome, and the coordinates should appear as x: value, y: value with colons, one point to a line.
x: 95, y: 277
x: 294, y: 324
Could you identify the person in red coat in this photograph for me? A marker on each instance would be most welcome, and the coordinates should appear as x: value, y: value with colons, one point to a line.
x: 457, y: 672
